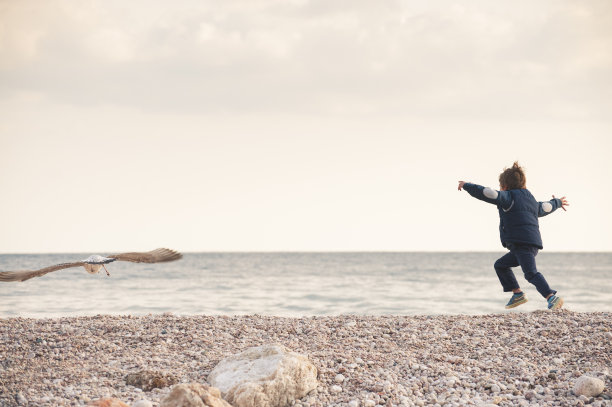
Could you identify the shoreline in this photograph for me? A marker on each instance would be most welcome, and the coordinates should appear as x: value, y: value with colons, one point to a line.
x: 506, y: 359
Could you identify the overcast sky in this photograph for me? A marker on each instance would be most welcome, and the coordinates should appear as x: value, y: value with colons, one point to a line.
x: 299, y: 125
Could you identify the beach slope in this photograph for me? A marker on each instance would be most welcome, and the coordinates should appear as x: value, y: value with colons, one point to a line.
x: 505, y: 359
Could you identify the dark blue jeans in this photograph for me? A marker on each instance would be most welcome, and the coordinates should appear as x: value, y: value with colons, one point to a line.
x: 524, y: 256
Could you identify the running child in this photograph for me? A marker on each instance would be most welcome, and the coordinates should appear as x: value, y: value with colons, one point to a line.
x: 519, y: 232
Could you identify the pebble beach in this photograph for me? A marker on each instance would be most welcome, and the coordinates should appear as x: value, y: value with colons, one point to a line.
x: 509, y: 359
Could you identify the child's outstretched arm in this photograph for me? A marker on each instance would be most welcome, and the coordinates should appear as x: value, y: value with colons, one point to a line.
x: 549, y: 207
x: 487, y: 194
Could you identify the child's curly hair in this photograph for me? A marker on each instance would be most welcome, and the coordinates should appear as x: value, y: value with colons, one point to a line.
x: 513, y: 177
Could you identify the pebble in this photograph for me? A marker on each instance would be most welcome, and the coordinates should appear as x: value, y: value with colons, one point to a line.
x: 588, y: 386
x: 20, y: 399
x: 516, y: 358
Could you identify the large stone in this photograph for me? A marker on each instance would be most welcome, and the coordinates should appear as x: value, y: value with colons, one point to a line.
x: 264, y: 376
x: 149, y: 380
x: 194, y: 395
x: 588, y: 386
x: 107, y: 402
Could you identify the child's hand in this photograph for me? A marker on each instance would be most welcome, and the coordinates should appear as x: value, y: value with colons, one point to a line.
x: 564, y: 203
x: 460, y: 187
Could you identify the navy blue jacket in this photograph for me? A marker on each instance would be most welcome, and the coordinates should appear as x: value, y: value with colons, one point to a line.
x: 518, y: 213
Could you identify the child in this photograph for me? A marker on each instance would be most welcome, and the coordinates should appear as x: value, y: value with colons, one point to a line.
x: 519, y: 232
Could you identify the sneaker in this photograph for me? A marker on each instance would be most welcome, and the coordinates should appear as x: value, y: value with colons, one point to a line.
x: 555, y: 302
x: 516, y: 300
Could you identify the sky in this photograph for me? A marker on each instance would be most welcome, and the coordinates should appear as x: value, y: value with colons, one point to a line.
x: 304, y: 125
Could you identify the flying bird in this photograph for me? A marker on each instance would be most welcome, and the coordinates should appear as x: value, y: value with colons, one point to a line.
x: 94, y: 263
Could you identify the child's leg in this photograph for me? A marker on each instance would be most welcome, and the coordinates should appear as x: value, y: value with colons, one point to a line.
x: 504, y: 272
x: 526, y: 257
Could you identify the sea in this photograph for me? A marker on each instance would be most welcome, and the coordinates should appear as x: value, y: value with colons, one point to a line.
x: 300, y: 284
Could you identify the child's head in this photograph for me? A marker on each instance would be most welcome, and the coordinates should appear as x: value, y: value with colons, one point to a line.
x: 512, y: 178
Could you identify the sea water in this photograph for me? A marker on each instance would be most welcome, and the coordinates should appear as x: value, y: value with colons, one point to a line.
x: 300, y: 284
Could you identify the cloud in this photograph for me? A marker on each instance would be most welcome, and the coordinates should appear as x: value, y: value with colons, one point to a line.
x: 448, y: 59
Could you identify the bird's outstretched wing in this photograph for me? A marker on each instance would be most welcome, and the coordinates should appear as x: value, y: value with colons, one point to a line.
x: 154, y: 256
x: 23, y: 275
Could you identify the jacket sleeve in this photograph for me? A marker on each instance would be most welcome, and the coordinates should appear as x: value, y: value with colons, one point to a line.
x: 548, y: 207
x: 500, y: 198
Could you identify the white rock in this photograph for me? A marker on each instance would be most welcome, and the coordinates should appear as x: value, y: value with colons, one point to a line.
x: 104, y: 402
x: 353, y: 403
x: 335, y: 389
x: 495, y: 388
x: 369, y: 403
x: 339, y: 378
x: 588, y: 386
x: 142, y: 403
x: 193, y: 395
x: 264, y: 376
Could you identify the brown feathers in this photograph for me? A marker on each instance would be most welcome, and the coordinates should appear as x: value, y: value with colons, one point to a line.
x: 23, y: 275
x: 154, y: 256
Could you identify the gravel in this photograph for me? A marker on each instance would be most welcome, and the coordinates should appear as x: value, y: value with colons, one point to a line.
x: 510, y: 359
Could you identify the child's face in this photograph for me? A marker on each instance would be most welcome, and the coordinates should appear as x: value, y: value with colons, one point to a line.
x: 502, y: 187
